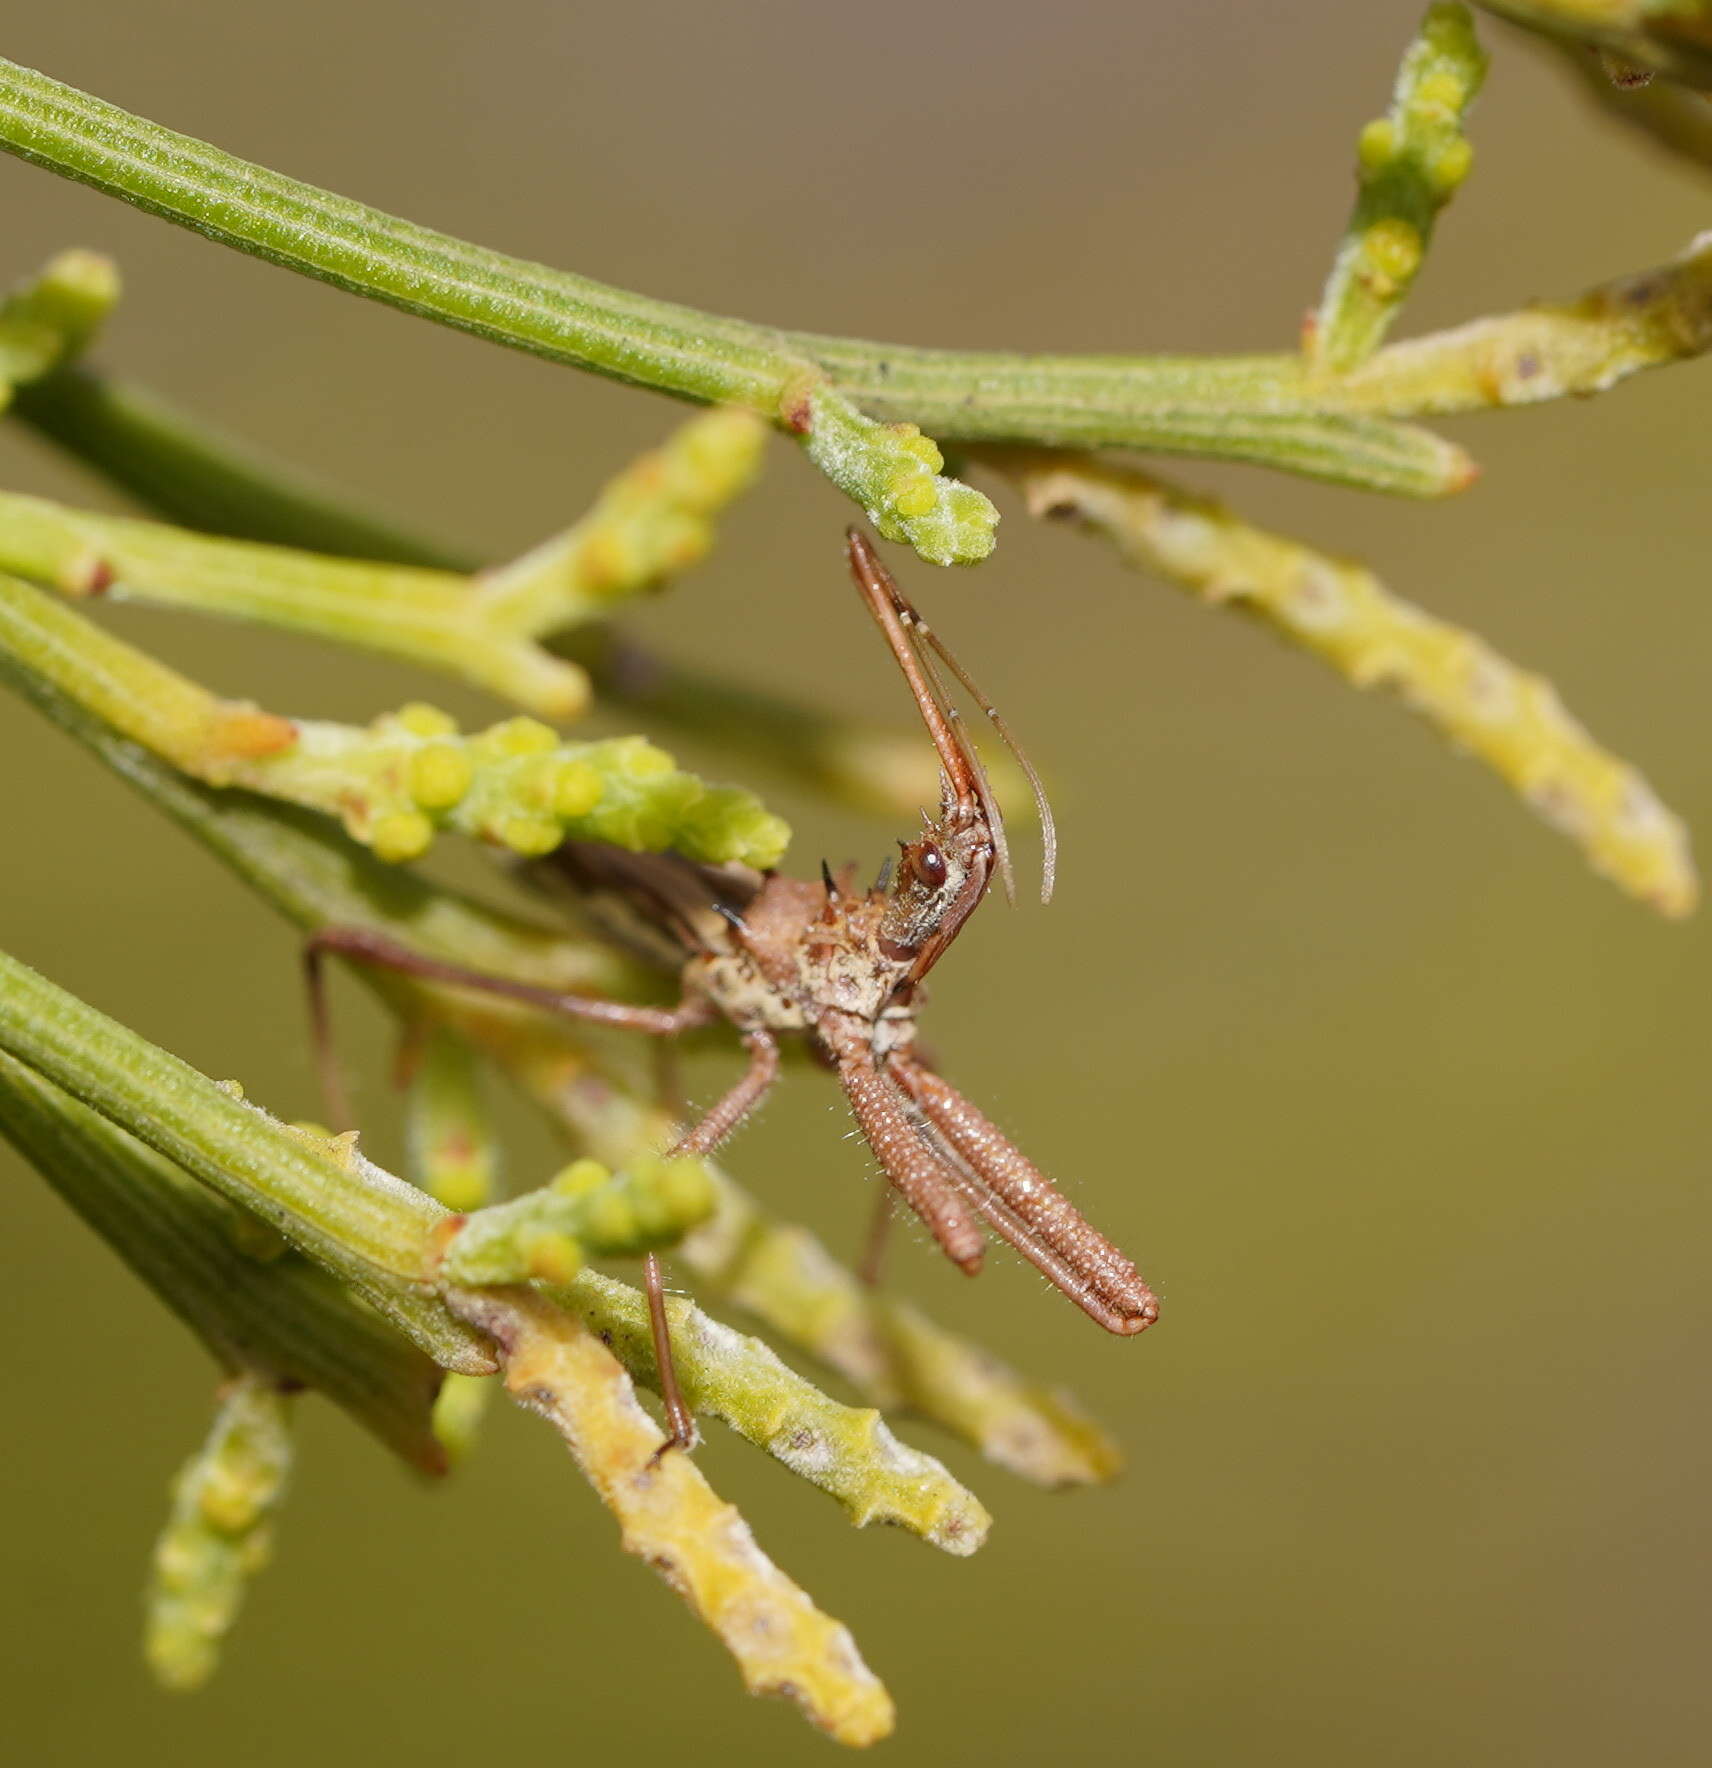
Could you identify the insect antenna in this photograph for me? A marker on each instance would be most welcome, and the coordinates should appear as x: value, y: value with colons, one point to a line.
x: 1043, y: 807
x: 909, y: 634
x: 977, y: 770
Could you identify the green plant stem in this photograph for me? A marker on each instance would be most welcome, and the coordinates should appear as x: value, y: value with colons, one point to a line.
x: 192, y: 474
x: 371, y: 1230
x: 432, y: 618
x: 254, y: 1304
x: 211, y: 482
x: 217, y: 1534
x: 1409, y: 165
x: 1256, y: 408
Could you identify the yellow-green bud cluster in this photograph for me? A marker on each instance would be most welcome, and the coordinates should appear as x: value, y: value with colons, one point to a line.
x: 653, y: 519
x: 516, y: 785
x: 587, y: 1209
x: 895, y: 473
x: 216, y: 1537
x: 1409, y: 163
x: 47, y: 322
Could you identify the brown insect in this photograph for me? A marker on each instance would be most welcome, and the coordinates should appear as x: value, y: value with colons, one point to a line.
x: 844, y: 969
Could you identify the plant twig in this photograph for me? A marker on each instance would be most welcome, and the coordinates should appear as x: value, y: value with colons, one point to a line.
x: 1257, y: 409
x: 217, y: 1537
x: 651, y: 520
x: 190, y: 473
x: 1411, y: 162
x: 253, y: 1303
x: 783, y: 1644
x: 395, y: 784
x: 51, y: 320
x: 1511, y: 720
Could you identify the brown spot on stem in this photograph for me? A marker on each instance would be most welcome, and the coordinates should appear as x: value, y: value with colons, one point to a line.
x: 90, y: 576
x: 247, y: 733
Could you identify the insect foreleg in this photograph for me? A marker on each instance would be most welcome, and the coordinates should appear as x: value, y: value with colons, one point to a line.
x: 928, y: 1186
x: 1019, y: 1203
x: 375, y: 948
x: 727, y: 1113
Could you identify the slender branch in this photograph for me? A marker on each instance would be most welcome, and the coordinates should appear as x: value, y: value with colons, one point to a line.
x: 1410, y: 165
x: 1511, y: 720
x: 557, y: 1367
x: 449, y: 1133
x: 396, y: 783
x: 1259, y: 408
x: 432, y: 618
x: 652, y: 520
x: 190, y: 473
x: 230, y: 1279
x: 1552, y: 350
x: 848, y: 1452
x: 48, y: 322
x: 371, y: 1230
x: 216, y: 1537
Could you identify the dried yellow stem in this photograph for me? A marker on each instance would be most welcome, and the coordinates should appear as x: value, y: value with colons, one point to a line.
x: 1510, y: 719
x: 669, y: 1516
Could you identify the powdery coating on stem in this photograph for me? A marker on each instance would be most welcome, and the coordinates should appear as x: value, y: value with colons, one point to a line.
x: 893, y: 472
x: 1410, y: 164
x: 846, y: 1451
x: 409, y: 774
x: 1550, y: 350
x: 669, y: 1516
x: 216, y: 1538
x: 1511, y: 720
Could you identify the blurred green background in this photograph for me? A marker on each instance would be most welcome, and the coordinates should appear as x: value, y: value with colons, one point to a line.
x: 1401, y: 1110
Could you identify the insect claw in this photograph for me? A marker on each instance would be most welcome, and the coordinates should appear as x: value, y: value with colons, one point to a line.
x: 727, y: 913
x: 829, y: 881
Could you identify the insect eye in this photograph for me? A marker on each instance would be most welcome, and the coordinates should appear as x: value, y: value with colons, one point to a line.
x: 928, y: 864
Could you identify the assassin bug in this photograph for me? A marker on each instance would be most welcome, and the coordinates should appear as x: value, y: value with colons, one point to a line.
x: 844, y: 969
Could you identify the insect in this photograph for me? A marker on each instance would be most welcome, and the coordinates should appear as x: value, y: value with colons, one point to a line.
x: 843, y: 968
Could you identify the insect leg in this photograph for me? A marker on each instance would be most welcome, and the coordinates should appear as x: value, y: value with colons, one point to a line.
x: 375, y: 948
x: 928, y: 1185
x: 879, y: 1232
x: 1022, y: 1206
x: 715, y: 1126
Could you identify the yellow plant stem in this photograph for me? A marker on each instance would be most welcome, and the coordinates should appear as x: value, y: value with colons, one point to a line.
x: 670, y: 1517
x: 1512, y: 720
